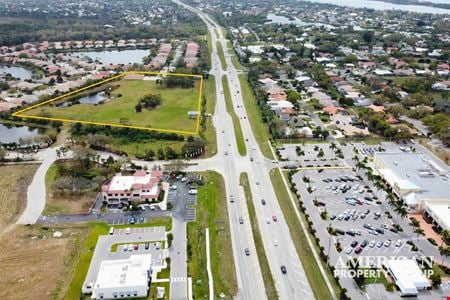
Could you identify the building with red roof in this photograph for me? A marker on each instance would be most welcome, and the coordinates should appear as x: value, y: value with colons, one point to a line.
x: 141, y: 186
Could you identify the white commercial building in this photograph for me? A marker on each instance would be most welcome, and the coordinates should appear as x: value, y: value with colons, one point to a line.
x: 124, y: 278
x: 415, y: 178
x: 407, y: 276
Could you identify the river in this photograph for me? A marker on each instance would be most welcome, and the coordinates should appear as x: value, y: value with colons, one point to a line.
x: 377, y: 5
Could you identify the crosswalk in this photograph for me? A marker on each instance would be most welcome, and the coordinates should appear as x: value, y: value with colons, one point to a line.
x: 178, y: 279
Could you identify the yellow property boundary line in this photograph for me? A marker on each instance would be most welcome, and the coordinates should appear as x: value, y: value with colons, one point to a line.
x: 163, y: 74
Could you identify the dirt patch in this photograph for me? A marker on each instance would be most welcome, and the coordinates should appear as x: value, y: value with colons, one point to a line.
x: 37, y: 265
x: 14, y: 181
x: 68, y: 204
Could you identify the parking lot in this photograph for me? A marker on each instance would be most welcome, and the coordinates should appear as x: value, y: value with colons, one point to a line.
x: 352, y: 211
x: 184, y: 202
x: 313, y: 155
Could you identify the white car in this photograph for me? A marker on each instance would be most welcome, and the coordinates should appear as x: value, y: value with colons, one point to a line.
x: 275, y: 243
x: 398, y: 243
x: 372, y: 244
x: 349, y: 250
x: 128, y: 230
x: 173, y: 187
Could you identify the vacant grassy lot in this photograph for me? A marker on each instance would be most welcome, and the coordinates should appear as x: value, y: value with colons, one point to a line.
x: 172, y: 114
x: 14, y: 181
x: 209, y: 92
x: 65, y: 204
x: 37, y: 265
x: 271, y: 291
x: 212, y: 213
x: 312, y: 270
x: 259, y: 128
x: 236, y: 124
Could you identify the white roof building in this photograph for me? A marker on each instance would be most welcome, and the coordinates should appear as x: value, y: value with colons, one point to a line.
x: 440, y: 212
x: 416, y: 178
x: 124, y: 278
x: 407, y: 276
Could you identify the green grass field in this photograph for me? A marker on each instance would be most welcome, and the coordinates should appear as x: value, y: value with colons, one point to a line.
x: 212, y: 213
x: 221, y: 55
x: 172, y: 114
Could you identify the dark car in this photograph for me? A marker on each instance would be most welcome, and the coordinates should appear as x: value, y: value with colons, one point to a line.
x: 358, y: 250
x: 147, y: 245
x: 354, y: 244
x: 333, y: 217
x: 349, y: 232
x: 247, y: 251
x: 379, y: 230
x: 263, y: 202
x: 283, y: 269
x: 364, y: 243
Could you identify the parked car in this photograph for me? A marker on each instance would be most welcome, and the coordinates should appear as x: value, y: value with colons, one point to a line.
x: 136, y: 246
x: 379, y: 230
x: 132, y: 220
x: 128, y: 230
x: 364, y: 243
x: 372, y: 244
x: 333, y: 217
x: 349, y: 250
x: 398, y: 243
x: 387, y: 243
x: 130, y: 247
x: 358, y: 250
x: 147, y: 246
x: 379, y: 244
x: 354, y: 244
x: 111, y: 230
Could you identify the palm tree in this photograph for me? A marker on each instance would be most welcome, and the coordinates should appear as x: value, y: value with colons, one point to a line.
x: 444, y: 252
x: 415, y: 223
x: 445, y: 235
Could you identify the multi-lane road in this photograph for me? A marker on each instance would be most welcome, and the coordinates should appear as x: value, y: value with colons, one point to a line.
x: 277, y: 241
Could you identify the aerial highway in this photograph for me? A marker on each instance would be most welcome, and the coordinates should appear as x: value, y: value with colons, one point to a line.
x: 278, y: 244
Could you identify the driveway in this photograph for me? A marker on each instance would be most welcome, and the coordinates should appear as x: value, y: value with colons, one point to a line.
x: 36, y: 192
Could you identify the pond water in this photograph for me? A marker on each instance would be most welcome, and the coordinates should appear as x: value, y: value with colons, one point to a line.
x: 115, y: 57
x: 379, y: 5
x: 91, y: 99
x: 17, y: 72
x: 12, y: 133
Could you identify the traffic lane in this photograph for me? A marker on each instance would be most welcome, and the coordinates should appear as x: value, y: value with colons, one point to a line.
x: 294, y: 282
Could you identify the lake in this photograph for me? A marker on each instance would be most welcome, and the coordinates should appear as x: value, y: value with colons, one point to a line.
x: 115, y: 57
x: 12, y: 133
x: 387, y: 6
x: 17, y: 72
x: 91, y: 99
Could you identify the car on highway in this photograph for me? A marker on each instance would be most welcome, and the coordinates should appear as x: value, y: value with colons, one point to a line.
x: 283, y: 269
x: 263, y: 202
x: 274, y: 218
x: 247, y: 251
x: 232, y: 199
x: 275, y: 242
x: 226, y: 152
x: 241, y: 220
x: 257, y: 183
